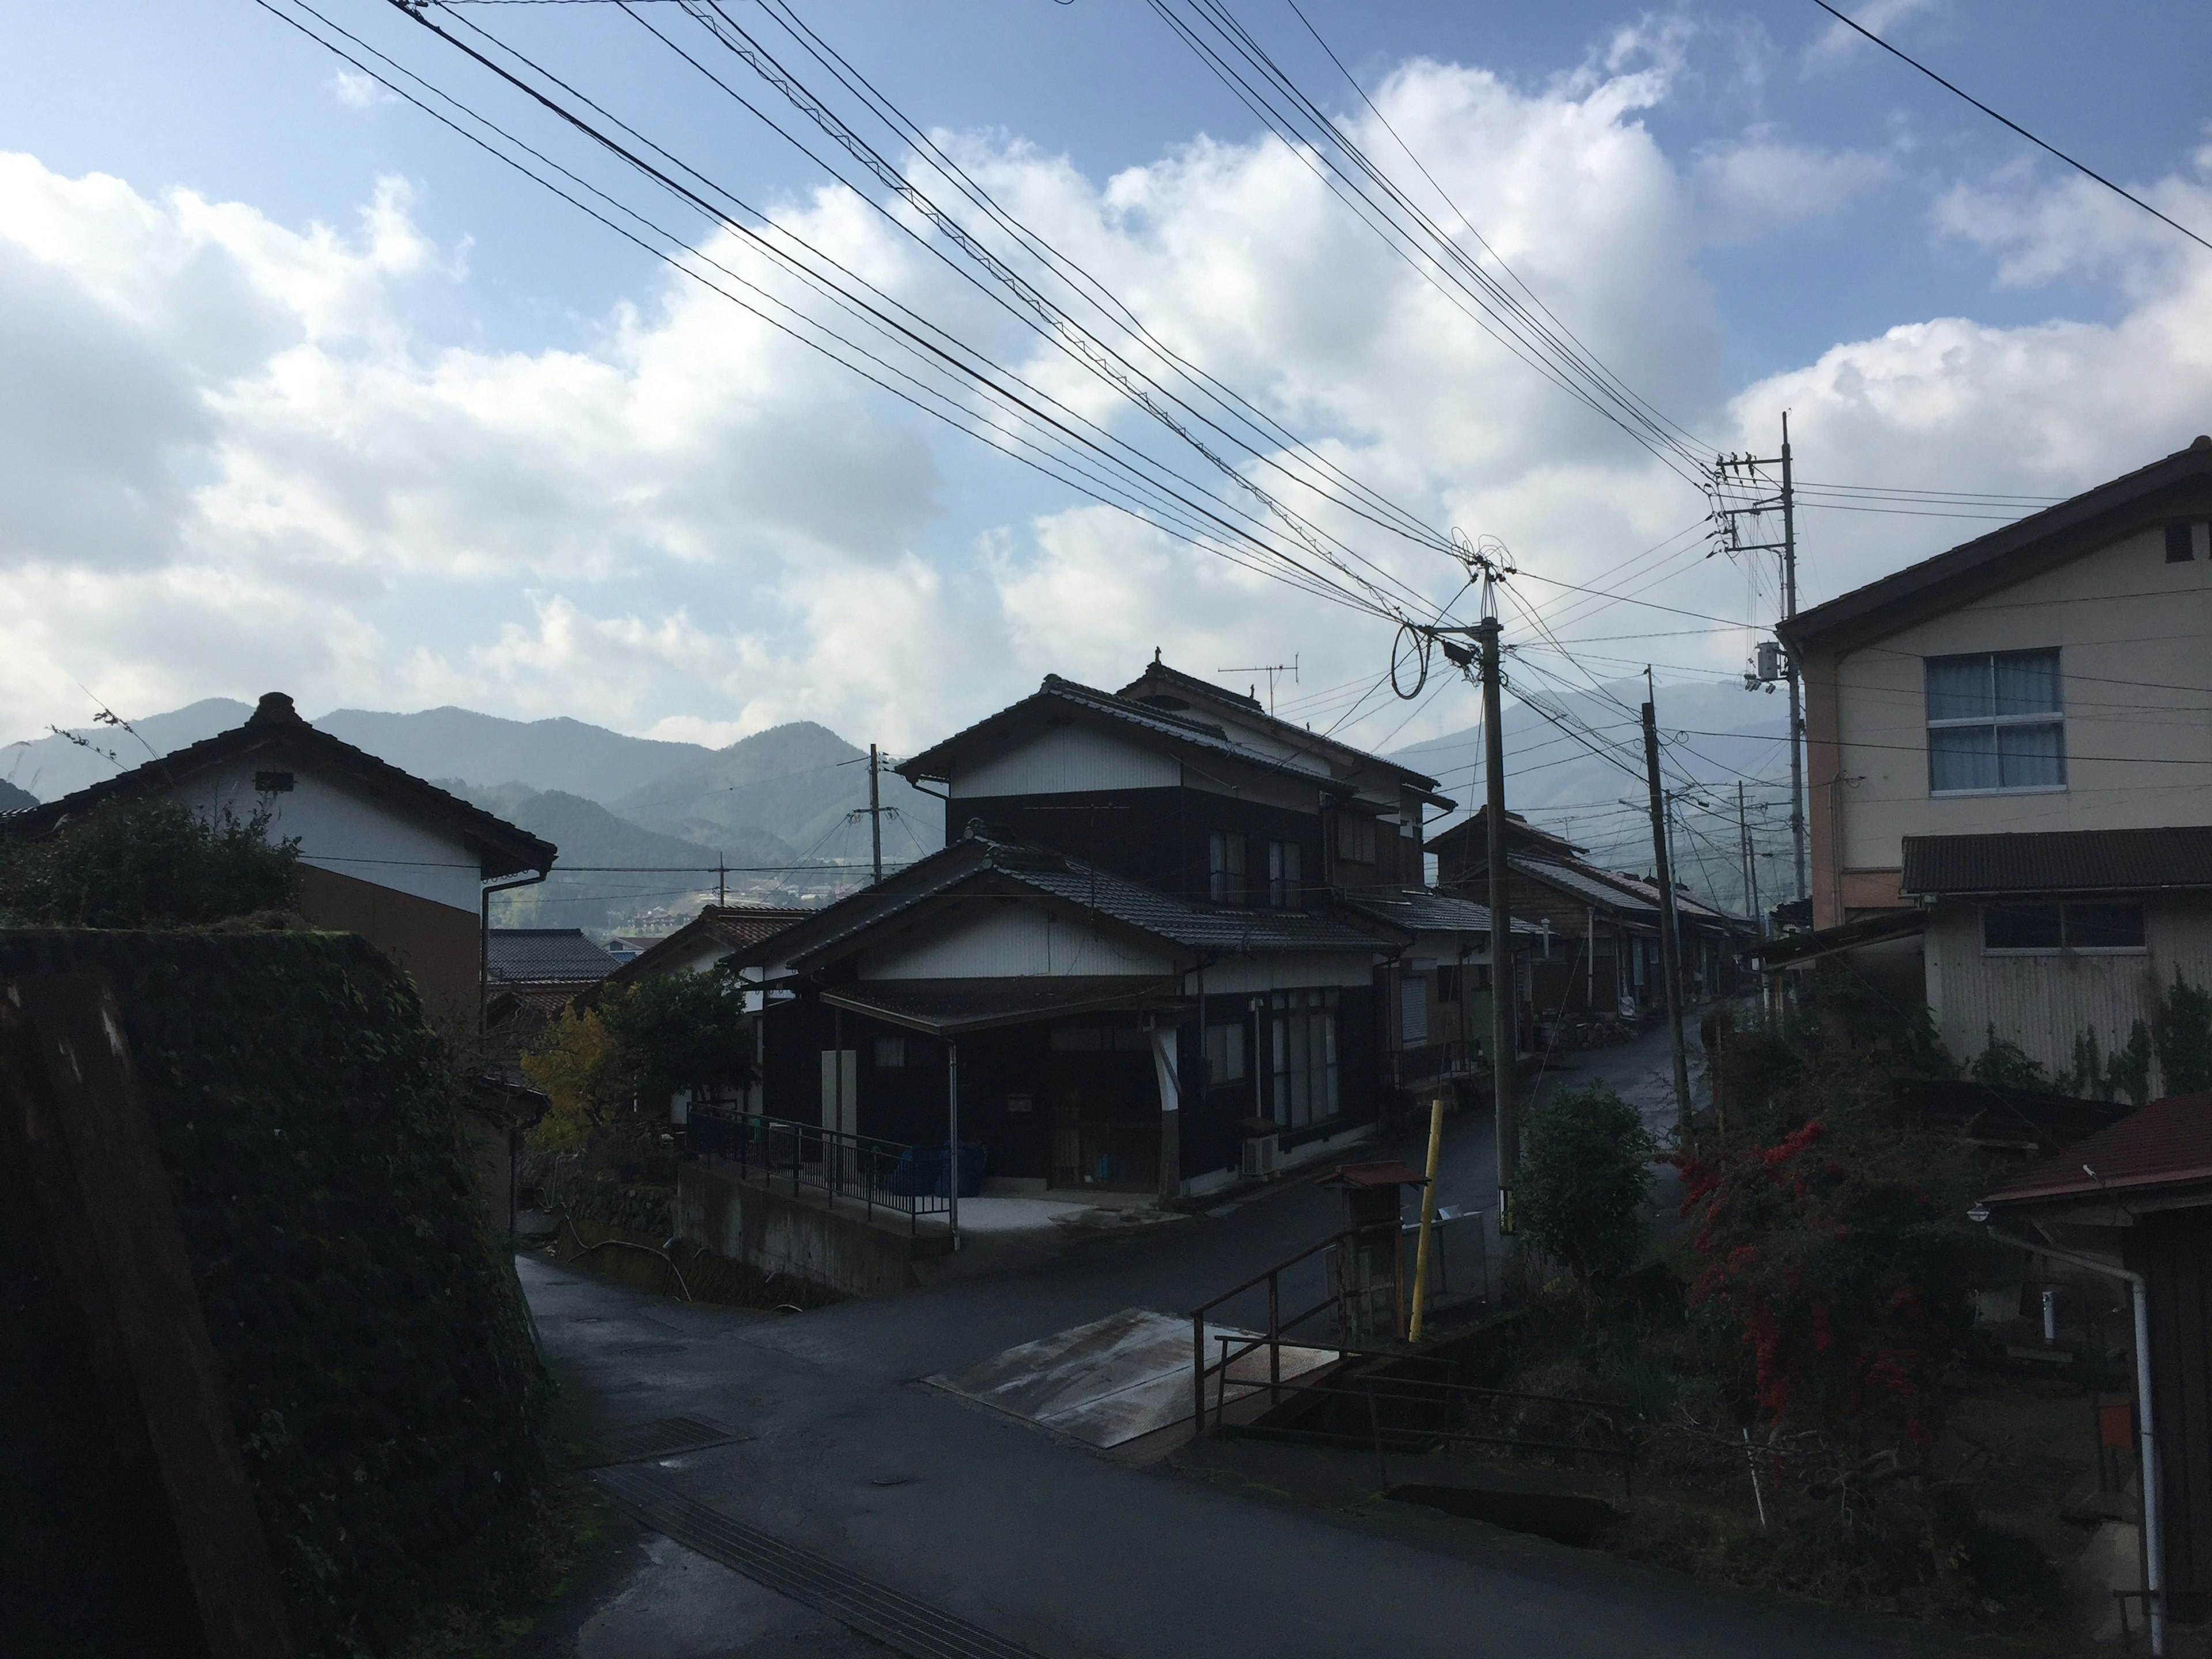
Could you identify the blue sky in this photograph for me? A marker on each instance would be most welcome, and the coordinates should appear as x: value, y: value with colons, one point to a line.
x: 425, y: 453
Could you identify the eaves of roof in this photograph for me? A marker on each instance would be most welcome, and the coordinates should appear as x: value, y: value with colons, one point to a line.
x: 1068, y: 881
x: 274, y: 728
x: 2041, y: 541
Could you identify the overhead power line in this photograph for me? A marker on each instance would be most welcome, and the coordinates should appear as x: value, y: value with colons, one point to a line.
x: 2082, y: 167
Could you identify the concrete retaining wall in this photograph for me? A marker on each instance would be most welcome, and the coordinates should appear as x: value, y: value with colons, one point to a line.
x: 781, y: 1233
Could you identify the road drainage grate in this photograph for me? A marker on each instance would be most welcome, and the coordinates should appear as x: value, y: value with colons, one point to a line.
x: 664, y: 1436
x: 898, y: 1621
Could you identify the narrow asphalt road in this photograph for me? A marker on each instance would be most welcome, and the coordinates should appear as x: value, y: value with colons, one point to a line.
x: 1060, y: 1551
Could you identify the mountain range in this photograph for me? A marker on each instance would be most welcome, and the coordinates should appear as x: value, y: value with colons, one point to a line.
x: 777, y: 811
x: 774, y: 808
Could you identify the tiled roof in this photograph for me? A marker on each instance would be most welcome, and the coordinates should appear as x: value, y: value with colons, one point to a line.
x: 542, y: 954
x: 1236, y: 932
x: 1470, y: 837
x: 1423, y: 911
x: 275, y: 728
x: 2059, y: 861
x: 2168, y: 1143
x: 1589, y: 886
x: 1185, y: 730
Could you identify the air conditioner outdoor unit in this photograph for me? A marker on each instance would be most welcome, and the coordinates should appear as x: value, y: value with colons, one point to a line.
x: 1263, y: 1156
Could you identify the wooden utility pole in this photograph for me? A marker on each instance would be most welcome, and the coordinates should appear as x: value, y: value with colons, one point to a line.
x: 1503, y: 980
x: 1750, y: 858
x: 875, y: 818
x: 1796, y: 681
x: 1669, y: 940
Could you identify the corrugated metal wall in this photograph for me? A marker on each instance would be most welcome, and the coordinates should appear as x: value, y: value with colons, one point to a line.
x: 2043, y: 1003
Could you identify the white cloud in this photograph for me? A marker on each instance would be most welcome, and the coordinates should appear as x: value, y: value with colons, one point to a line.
x: 1839, y: 42
x: 1761, y: 182
x: 358, y: 91
x: 230, y: 463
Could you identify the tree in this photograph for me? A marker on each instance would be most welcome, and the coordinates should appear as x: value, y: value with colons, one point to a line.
x: 569, y: 1063
x: 641, y: 1044
x: 1584, y: 1170
x: 147, y: 864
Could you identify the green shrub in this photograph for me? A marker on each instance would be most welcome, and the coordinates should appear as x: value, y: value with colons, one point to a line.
x: 147, y: 864
x: 1585, y: 1159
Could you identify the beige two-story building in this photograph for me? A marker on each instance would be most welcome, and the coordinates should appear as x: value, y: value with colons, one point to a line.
x: 2009, y: 754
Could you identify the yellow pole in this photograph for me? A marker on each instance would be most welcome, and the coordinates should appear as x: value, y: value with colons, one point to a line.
x: 1428, y: 1219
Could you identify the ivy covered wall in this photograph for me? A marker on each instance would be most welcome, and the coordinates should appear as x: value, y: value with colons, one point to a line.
x: 381, y: 1374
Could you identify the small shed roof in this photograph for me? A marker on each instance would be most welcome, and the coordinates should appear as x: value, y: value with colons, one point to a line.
x: 2059, y: 861
x: 2166, y: 1145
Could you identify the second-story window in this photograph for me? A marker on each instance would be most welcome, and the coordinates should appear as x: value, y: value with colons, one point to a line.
x: 1225, y: 867
x: 1285, y: 891
x: 1355, y: 838
x: 1995, y: 723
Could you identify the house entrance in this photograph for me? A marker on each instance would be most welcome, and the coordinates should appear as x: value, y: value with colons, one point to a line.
x: 1105, y: 1109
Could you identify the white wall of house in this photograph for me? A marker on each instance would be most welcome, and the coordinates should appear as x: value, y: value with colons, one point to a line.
x: 2042, y: 1002
x: 344, y: 829
x: 1003, y: 940
x: 2134, y: 638
x: 1066, y: 760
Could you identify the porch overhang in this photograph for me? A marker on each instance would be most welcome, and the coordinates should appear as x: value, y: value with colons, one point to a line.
x: 953, y: 1007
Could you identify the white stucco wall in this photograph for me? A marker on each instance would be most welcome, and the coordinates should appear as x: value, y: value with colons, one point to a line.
x: 2135, y: 640
x: 343, y: 830
x: 2044, y: 1002
x: 1008, y: 940
x: 1066, y: 760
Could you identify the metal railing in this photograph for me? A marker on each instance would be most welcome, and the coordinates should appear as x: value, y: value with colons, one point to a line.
x: 1434, y: 1061
x: 1430, y: 1414
x: 1272, y: 1338
x: 909, y: 1181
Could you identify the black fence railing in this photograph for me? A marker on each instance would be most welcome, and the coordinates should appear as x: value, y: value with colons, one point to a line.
x: 1433, y: 1062
x: 909, y: 1181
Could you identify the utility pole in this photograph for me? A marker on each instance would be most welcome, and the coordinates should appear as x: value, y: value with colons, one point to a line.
x: 1670, y: 941
x: 1796, y: 687
x: 1786, y: 547
x: 875, y: 818
x: 1504, y: 982
x: 721, y: 879
x: 1750, y: 861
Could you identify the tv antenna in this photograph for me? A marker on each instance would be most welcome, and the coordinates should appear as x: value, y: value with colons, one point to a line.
x: 1270, y: 670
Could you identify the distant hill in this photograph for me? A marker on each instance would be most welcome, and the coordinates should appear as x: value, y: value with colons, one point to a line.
x: 438, y: 743
x: 675, y: 873
x: 563, y: 754
x: 13, y: 800
x: 52, y: 767
x: 798, y: 782
x: 1557, y: 783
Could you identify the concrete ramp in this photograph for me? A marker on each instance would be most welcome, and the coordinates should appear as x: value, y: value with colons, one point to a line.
x: 1116, y: 1379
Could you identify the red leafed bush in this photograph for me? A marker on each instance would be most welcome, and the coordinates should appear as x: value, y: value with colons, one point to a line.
x: 1841, y: 1258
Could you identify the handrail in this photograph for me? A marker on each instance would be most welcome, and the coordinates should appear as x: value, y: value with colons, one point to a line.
x: 833, y: 1162
x: 1272, y: 1278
